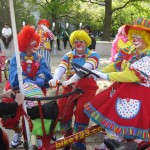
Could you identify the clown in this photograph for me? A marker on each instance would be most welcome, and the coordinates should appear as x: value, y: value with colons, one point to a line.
x: 89, y: 59
x: 45, y: 36
x: 123, y: 108
x: 34, y: 70
x: 120, y: 41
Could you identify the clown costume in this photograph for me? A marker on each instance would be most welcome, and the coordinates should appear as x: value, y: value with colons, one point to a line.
x: 34, y: 70
x: 123, y: 108
x: 83, y: 56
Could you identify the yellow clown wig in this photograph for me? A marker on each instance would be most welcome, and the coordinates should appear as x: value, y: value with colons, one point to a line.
x: 79, y: 34
x: 140, y: 27
x: 27, y: 37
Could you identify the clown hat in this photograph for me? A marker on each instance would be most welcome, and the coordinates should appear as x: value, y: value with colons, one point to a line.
x: 44, y: 22
x: 139, y: 24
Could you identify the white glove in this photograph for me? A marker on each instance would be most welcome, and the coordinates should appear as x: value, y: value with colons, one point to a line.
x: 100, y: 74
x: 53, y: 82
x: 45, y: 28
x: 66, y: 83
x: 74, y: 78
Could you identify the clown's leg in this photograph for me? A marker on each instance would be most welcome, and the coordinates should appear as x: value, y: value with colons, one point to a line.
x: 66, y: 130
x: 80, y: 145
x: 16, y: 141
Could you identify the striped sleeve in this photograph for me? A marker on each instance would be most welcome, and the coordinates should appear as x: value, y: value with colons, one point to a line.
x: 93, y: 59
x: 65, y: 61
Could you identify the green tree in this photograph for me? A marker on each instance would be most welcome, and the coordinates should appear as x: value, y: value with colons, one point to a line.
x: 22, y: 13
x: 110, y: 9
x: 58, y: 11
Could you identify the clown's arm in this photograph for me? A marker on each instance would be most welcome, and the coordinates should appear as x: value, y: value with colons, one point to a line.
x: 43, y: 74
x: 49, y: 32
x: 126, y: 75
x: 90, y: 64
x: 13, y: 74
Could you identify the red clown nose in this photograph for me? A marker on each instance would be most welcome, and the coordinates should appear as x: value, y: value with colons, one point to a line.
x: 79, y: 44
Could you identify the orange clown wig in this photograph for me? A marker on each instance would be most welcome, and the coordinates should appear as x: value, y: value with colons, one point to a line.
x: 26, y: 37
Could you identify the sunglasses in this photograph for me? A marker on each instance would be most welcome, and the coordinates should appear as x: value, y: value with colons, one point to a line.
x: 79, y: 41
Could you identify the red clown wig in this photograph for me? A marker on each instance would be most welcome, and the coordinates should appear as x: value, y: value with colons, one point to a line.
x: 44, y: 22
x: 26, y: 36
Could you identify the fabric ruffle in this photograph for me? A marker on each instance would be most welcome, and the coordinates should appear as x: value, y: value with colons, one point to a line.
x: 127, y: 132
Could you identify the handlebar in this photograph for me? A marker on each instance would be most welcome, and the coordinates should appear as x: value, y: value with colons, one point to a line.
x: 77, y: 90
x: 83, y: 72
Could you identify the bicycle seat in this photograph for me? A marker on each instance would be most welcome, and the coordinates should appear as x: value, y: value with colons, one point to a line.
x: 115, y: 145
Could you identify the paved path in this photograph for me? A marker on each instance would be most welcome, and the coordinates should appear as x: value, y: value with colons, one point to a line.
x: 55, y: 58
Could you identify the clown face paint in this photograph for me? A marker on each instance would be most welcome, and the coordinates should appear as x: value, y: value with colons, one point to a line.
x: 79, y: 44
x: 138, y: 42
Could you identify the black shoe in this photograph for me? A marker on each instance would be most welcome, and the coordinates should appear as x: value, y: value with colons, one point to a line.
x: 78, y: 146
x: 59, y: 49
x: 115, y: 145
x: 67, y: 147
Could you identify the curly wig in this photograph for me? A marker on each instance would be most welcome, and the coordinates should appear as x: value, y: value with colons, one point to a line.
x: 79, y: 34
x: 44, y: 22
x: 143, y: 33
x: 26, y: 36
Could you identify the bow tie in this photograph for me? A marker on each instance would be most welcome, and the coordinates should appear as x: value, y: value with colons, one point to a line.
x: 29, y: 58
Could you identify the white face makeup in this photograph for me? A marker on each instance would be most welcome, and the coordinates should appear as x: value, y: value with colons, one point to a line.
x: 79, y: 44
x: 138, y: 42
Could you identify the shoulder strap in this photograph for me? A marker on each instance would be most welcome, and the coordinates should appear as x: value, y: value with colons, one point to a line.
x: 70, y: 56
x: 67, y: 33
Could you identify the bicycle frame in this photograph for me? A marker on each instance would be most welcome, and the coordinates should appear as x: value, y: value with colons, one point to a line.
x: 74, y: 138
x: 46, y: 139
x: 68, y: 140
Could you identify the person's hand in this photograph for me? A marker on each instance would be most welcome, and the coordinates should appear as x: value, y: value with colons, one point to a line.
x: 101, y: 74
x: 66, y: 83
x: 39, y: 82
x: 53, y: 82
x: 24, y: 75
x: 42, y: 75
x: 74, y: 78
x: 8, y: 93
x: 19, y: 98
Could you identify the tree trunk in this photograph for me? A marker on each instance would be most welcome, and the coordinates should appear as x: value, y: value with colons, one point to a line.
x: 107, y: 21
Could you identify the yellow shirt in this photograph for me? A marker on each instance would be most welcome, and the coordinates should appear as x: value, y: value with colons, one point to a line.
x: 125, y: 74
